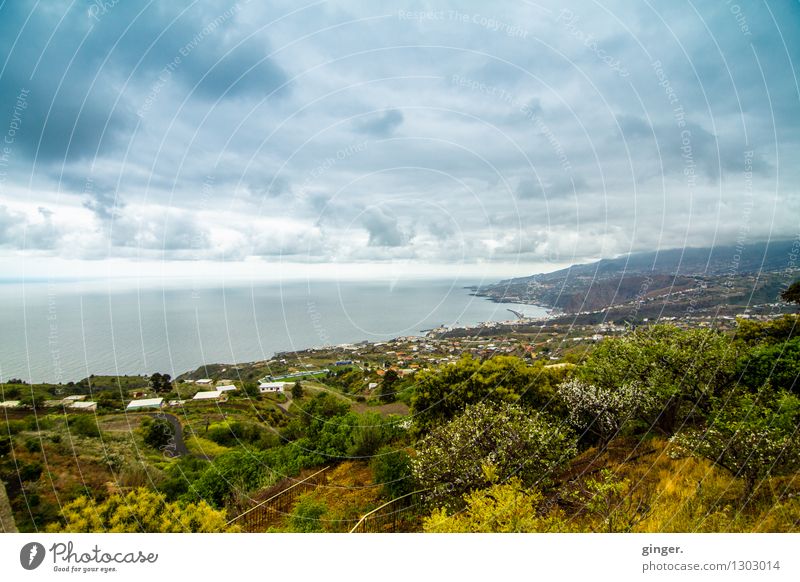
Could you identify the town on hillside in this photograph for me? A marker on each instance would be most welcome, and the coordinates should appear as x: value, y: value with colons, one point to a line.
x: 369, y: 436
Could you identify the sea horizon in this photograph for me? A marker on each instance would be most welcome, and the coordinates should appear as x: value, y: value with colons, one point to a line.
x: 61, y: 331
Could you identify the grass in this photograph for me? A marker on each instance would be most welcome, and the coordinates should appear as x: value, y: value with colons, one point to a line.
x: 202, y: 447
x: 347, y: 494
x: 689, y: 495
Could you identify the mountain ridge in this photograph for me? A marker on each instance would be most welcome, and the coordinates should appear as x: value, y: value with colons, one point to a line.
x: 724, y: 275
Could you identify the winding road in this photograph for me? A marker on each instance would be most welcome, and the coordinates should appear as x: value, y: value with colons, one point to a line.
x: 177, y: 447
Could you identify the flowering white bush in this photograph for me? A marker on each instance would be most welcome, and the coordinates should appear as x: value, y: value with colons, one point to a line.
x: 753, y: 437
x: 501, y: 440
x: 602, y: 411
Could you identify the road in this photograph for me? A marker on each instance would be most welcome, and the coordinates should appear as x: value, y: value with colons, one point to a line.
x: 176, y: 448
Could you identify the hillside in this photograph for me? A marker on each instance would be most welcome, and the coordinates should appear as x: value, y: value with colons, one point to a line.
x: 674, y: 279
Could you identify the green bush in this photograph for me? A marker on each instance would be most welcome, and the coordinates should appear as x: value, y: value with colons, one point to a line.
x: 180, y: 476
x: 443, y: 393
x: 11, y: 392
x: 157, y: 432
x: 306, y: 517
x: 84, y: 425
x: 370, y: 434
x: 232, y: 434
x: 391, y: 468
x: 32, y: 445
x: 238, y: 471
x: 13, y: 427
x: 33, y: 422
x: 29, y: 471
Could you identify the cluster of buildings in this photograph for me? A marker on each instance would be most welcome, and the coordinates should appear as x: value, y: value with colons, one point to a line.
x: 217, y: 393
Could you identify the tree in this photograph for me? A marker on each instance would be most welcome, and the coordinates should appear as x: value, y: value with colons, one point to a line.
x: 161, y: 382
x: 314, y: 414
x: 11, y: 393
x: 297, y: 390
x: 388, y: 391
x: 443, y: 393
x: 792, y: 293
x: 778, y: 364
x: 502, y: 508
x: 140, y: 511
x: 452, y: 459
x: 600, y: 411
x: 157, y: 432
x: 250, y: 389
x: 109, y: 400
x: 391, y: 468
x: 679, y: 369
x: 774, y: 331
x: 754, y: 436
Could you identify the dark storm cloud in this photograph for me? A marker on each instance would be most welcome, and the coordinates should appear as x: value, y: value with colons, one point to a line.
x: 161, y: 127
x: 76, y: 62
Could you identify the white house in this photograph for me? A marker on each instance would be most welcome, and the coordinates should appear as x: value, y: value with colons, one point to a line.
x: 226, y: 388
x: 204, y: 382
x: 84, y: 405
x: 10, y: 404
x: 145, y: 404
x: 265, y: 387
x: 211, y: 395
x: 76, y: 397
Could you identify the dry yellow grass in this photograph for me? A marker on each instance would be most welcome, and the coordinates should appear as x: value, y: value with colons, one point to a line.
x: 690, y: 494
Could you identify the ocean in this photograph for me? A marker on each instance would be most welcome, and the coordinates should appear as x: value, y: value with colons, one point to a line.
x: 58, y: 332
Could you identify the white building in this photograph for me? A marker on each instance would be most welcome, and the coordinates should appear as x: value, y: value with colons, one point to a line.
x: 204, y: 382
x: 265, y: 387
x: 212, y: 395
x: 83, y: 405
x: 10, y: 404
x: 145, y: 404
x: 226, y: 388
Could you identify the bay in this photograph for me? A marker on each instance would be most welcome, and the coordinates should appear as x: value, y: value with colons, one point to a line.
x: 65, y: 331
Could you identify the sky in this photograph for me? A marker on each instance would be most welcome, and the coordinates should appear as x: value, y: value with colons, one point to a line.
x: 389, y: 139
